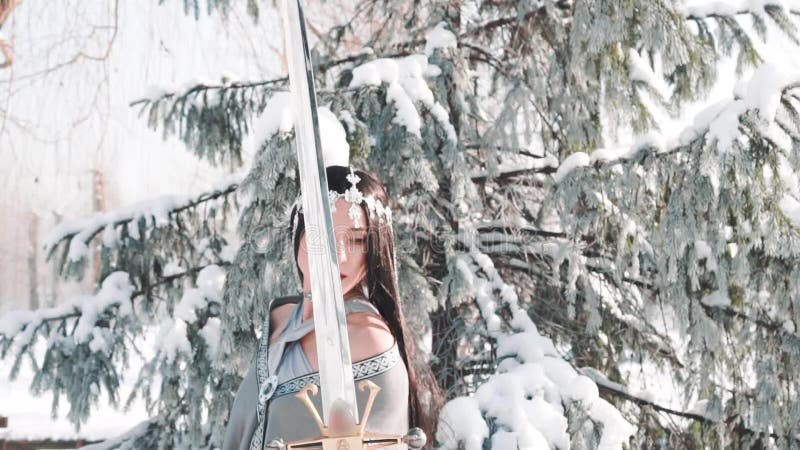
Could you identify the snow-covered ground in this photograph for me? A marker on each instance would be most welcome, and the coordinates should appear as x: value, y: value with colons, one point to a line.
x: 29, y: 417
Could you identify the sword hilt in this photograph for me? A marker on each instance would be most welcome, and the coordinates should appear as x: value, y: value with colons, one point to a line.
x: 354, y: 437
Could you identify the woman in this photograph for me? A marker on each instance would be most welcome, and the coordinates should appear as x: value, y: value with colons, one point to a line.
x: 381, y: 347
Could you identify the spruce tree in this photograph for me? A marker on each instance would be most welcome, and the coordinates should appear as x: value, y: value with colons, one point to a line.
x: 544, y: 265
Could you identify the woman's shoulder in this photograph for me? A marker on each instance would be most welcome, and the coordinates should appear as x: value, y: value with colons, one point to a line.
x: 369, y: 335
x: 279, y: 312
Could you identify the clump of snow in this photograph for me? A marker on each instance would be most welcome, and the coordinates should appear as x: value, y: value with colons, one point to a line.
x: 116, y: 290
x: 765, y: 88
x: 461, y: 423
x: 717, y: 298
x: 211, y: 281
x: 703, y: 251
x: 172, y: 268
x: 14, y: 321
x: 172, y: 340
x: 101, y: 338
x: 614, y: 154
x: 191, y: 300
x: 703, y: 9
x: 702, y: 121
x: 570, y: 163
x: 122, y: 442
x: 761, y: 93
x: 405, y: 78
x: 439, y: 37
x: 724, y: 129
x: 278, y: 118
x: 704, y: 408
x: 513, y: 163
x: 155, y: 212
x: 110, y: 236
x: 616, y: 430
x: 228, y: 253
x: 791, y: 208
x: 526, y: 397
x: 639, y: 70
x: 407, y: 115
x: 211, y: 334
x: 335, y: 149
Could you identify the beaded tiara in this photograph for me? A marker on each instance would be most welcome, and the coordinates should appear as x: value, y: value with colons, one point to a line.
x: 355, y: 198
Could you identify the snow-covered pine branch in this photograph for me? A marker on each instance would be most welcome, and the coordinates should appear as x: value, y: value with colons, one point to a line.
x: 137, y: 437
x: 716, y: 9
x: 535, y: 396
x: 125, y: 233
x: 88, y: 338
x: 761, y: 111
x: 212, y: 119
x: 719, y: 200
x: 84, y: 345
x: 678, y: 254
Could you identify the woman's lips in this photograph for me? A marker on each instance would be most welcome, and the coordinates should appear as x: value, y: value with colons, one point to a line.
x: 342, y: 276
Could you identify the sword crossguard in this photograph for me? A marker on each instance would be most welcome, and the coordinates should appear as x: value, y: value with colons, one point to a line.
x: 354, y: 436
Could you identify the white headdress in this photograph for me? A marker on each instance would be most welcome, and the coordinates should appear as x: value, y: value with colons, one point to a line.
x: 355, y: 198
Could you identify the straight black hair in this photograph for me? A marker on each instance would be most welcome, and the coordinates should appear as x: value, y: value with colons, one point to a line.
x: 425, y: 397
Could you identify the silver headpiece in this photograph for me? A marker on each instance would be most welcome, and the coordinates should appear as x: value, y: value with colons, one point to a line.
x: 355, y: 198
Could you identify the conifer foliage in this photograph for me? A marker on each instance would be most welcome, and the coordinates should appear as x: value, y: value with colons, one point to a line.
x: 559, y: 240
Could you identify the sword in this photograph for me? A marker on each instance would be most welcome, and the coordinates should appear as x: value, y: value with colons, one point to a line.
x: 330, y: 323
x: 338, y: 425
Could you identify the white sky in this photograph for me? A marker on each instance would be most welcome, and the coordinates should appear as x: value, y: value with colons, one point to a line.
x: 69, y: 115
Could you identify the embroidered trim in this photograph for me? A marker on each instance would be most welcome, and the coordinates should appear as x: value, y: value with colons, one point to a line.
x: 368, y: 367
x: 261, y: 367
x: 256, y: 443
x: 362, y: 369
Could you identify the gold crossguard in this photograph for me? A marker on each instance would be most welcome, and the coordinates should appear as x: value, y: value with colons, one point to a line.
x: 352, y: 437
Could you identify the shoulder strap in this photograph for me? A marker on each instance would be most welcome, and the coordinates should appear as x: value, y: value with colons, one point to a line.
x: 280, y: 301
x: 265, y: 381
x: 357, y: 305
x: 296, y: 330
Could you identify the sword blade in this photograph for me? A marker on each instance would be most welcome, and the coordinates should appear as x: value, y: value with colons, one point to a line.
x: 330, y: 324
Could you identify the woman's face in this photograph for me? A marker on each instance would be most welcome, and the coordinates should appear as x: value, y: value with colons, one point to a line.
x: 351, y: 247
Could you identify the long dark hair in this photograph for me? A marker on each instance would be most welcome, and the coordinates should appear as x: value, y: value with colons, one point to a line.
x: 425, y: 397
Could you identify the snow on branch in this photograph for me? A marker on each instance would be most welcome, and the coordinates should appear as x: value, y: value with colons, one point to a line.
x: 197, y: 87
x: 19, y: 327
x: 88, y: 336
x: 126, y: 441
x: 533, y: 391
x: 488, y: 26
x: 642, y: 399
x: 763, y: 97
x: 157, y: 211
x: 699, y: 413
x: 407, y: 87
x: 727, y: 8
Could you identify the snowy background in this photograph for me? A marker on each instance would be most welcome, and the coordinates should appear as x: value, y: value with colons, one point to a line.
x: 66, y: 116
x: 71, y: 145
